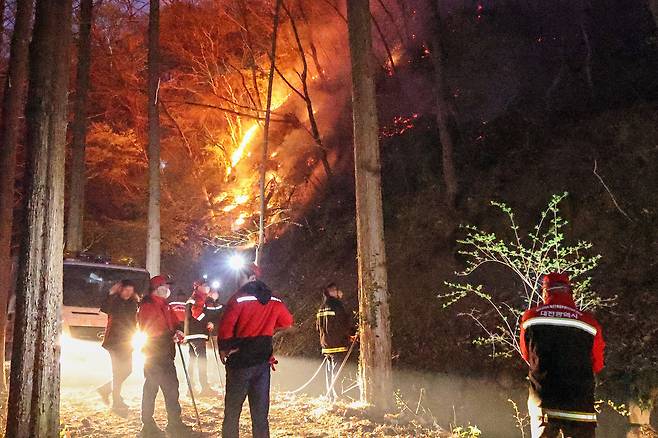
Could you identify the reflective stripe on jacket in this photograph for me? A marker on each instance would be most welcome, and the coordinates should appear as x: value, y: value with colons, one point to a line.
x: 334, y: 325
x: 563, y: 347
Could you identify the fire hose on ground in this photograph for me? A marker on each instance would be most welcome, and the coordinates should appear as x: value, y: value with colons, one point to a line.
x: 335, y: 379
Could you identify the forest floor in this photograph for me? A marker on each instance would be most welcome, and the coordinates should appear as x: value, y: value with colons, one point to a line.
x: 84, y: 415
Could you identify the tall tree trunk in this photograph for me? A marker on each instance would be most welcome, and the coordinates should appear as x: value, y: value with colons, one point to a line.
x: 12, y: 106
x: 266, y: 135
x: 442, y: 111
x: 75, y: 224
x: 153, y: 233
x: 374, y: 323
x: 34, y: 397
x: 653, y: 7
x: 2, y: 21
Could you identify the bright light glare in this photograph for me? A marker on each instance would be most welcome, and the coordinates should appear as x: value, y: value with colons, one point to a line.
x: 205, y: 276
x: 215, y: 284
x: 138, y: 341
x: 236, y: 262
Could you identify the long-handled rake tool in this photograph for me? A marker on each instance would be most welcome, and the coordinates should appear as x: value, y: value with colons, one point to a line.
x: 189, y: 386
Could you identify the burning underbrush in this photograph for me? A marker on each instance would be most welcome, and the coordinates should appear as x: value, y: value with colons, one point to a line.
x: 83, y: 415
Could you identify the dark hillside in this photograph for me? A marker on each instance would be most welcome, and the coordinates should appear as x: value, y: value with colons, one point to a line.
x: 522, y: 168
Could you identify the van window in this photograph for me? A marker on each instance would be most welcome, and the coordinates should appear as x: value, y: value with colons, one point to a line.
x: 87, y: 286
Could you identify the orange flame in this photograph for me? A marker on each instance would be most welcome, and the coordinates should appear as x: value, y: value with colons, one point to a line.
x: 239, y: 152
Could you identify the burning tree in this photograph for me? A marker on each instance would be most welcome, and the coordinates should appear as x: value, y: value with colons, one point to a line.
x: 528, y: 257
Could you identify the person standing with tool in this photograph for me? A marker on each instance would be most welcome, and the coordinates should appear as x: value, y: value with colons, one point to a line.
x: 251, y: 318
x: 198, y: 324
x: 337, y: 333
x: 563, y: 347
x: 215, y: 307
x: 158, y: 322
x: 120, y: 306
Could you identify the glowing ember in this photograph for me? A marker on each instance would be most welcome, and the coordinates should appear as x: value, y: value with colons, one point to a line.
x: 229, y: 208
x: 400, y: 125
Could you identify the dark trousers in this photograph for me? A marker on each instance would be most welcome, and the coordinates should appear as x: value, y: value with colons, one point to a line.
x: 198, y: 361
x: 331, y: 370
x: 160, y: 374
x: 567, y: 429
x: 252, y: 382
x: 542, y: 426
x: 122, y: 366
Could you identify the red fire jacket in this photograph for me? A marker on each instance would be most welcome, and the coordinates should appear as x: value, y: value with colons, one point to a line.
x: 251, y: 317
x: 155, y: 317
x: 564, y: 349
x: 158, y: 322
x: 178, y: 307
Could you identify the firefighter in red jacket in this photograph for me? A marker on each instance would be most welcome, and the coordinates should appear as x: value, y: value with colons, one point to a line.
x: 563, y: 347
x: 158, y: 322
x: 178, y: 307
x: 198, y: 324
x: 336, y: 330
x: 251, y: 318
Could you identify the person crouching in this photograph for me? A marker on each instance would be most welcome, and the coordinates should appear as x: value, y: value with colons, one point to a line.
x: 158, y: 322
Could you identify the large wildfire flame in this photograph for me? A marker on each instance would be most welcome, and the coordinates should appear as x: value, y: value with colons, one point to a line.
x: 239, y: 152
x: 240, y: 195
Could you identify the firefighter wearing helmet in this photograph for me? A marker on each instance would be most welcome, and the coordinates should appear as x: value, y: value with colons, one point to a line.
x: 563, y: 347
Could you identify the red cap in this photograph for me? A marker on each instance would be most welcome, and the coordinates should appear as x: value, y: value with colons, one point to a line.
x: 556, y: 280
x: 159, y: 280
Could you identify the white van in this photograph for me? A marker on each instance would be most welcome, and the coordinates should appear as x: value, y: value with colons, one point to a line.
x: 86, y: 284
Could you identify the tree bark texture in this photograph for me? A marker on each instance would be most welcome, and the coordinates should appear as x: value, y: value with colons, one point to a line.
x: 33, y: 409
x: 374, y: 322
x: 12, y: 107
x: 153, y: 232
x: 77, y: 177
x: 442, y: 110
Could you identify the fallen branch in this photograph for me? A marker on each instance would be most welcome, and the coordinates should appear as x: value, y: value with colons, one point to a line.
x: 614, y: 200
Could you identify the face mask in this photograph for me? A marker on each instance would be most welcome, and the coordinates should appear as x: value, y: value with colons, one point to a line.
x: 163, y: 291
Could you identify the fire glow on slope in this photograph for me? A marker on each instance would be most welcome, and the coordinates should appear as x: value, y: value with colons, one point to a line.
x: 239, y: 152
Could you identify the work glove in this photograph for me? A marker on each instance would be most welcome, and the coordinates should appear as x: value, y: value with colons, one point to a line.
x: 224, y: 355
x: 179, y: 337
